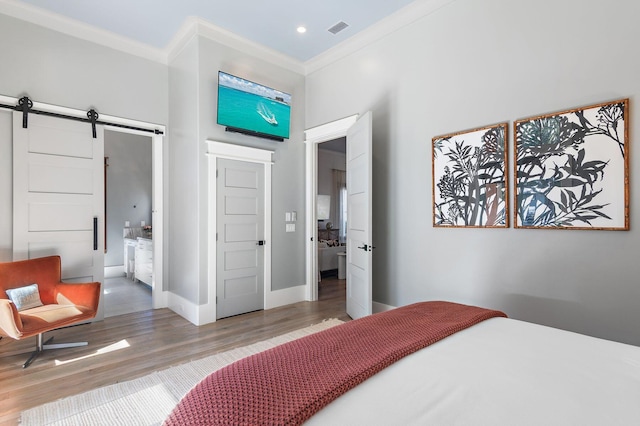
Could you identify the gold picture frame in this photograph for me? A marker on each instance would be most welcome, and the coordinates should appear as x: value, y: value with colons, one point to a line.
x: 469, y: 180
x: 572, y: 168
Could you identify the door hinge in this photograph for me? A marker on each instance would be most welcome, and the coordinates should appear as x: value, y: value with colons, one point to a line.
x: 216, y: 173
x: 216, y: 236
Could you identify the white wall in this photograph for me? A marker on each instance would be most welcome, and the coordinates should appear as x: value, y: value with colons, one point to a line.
x: 193, y: 94
x: 62, y: 70
x: 288, y: 254
x: 57, y: 69
x: 183, y: 178
x: 474, y: 63
x: 129, y: 177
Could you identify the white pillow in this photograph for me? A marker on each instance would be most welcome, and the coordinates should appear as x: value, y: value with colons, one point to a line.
x: 26, y: 297
x: 322, y: 245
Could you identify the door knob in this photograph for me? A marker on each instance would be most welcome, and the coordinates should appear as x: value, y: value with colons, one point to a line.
x: 365, y: 248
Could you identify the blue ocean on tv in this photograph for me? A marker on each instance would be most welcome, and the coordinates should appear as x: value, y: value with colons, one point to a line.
x: 247, y: 105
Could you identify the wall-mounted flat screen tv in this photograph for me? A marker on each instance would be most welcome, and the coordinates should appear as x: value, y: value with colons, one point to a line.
x: 253, y: 109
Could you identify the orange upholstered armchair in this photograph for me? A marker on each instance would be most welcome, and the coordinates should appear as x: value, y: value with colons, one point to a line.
x: 27, y: 310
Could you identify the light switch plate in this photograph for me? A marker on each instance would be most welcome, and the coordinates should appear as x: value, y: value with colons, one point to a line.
x: 287, y: 217
x: 291, y: 227
x: 294, y: 216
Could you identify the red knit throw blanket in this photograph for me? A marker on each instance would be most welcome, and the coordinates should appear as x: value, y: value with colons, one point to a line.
x: 286, y: 385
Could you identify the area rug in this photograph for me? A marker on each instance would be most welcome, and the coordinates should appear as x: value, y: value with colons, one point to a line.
x: 148, y: 400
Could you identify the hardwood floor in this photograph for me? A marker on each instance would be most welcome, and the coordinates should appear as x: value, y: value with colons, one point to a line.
x: 128, y: 346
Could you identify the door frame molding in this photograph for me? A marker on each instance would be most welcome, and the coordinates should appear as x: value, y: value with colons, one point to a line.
x: 159, y: 294
x: 215, y: 150
x: 313, y: 137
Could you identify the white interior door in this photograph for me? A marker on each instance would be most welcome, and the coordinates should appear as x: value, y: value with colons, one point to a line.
x: 58, y: 195
x: 240, y: 239
x: 359, y: 219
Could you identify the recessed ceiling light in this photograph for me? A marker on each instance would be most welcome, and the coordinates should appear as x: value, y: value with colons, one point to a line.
x: 301, y: 29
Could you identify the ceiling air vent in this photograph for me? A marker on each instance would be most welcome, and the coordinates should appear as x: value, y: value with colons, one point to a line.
x: 338, y: 27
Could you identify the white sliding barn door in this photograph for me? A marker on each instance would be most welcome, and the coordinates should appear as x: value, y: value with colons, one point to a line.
x: 58, y: 195
x: 359, y: 218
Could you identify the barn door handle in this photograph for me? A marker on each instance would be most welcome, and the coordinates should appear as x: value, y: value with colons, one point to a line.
x: 95, y: 233
x: 260, y: 243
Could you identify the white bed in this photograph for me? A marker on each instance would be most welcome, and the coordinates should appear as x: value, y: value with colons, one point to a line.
x: 500, y: 372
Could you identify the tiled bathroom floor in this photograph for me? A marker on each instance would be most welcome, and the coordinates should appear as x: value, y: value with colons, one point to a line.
x: 123, y: 296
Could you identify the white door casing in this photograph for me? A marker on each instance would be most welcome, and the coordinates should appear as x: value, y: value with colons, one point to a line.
x: 207, y: 312
x: 240, y: 237
x: 58, y: 195
x: 159, y: 295
x: 313, y: 137
x: 359, y: 218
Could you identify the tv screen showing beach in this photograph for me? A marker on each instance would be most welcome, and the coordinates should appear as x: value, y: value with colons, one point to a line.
x: 243, y: 104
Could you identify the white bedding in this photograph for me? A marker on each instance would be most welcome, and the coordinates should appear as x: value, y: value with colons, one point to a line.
x: 500, y: 372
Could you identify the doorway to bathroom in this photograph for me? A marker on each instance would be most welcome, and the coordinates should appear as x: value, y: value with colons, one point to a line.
x: 128, y: 257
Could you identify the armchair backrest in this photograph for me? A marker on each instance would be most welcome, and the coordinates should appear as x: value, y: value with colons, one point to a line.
x: 44, y: 271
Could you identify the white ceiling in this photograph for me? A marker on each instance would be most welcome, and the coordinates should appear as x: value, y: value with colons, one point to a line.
x: 269, y: 23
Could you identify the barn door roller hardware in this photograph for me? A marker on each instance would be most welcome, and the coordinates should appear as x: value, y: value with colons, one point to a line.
x: 26, y: 106
x: 93, y: 117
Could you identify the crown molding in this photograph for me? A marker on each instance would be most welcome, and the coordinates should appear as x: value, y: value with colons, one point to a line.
x: 194, y: 25
x: 403, y: 17
x: 187, y: 31
x: 189, y: 28
x: 71, y: 27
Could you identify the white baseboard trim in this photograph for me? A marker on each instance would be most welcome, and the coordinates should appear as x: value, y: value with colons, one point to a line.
x: 114, y: 271
x: 200, y: 314
x: 160, y: 299
x: 203, y: 314
x: 195, y: 314
x: 183, y: 307
x: 287, y: 296
x: 381, y: 307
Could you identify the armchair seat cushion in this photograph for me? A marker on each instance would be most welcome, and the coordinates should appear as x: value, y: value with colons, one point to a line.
x: 63, y: 304
x: 40, y: 319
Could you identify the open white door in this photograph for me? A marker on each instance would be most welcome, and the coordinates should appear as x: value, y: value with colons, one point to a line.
x: 58, y: 195
x: 359, y: 219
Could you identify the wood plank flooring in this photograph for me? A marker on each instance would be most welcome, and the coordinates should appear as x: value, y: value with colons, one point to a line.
x: 128, y: 346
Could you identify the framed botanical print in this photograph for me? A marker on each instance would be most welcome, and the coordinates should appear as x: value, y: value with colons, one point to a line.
x: 469, y: 181
x: 572, y: 169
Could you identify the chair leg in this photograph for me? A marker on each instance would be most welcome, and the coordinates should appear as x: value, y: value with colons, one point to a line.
x: 39, y: 349
x: 40, y: 346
